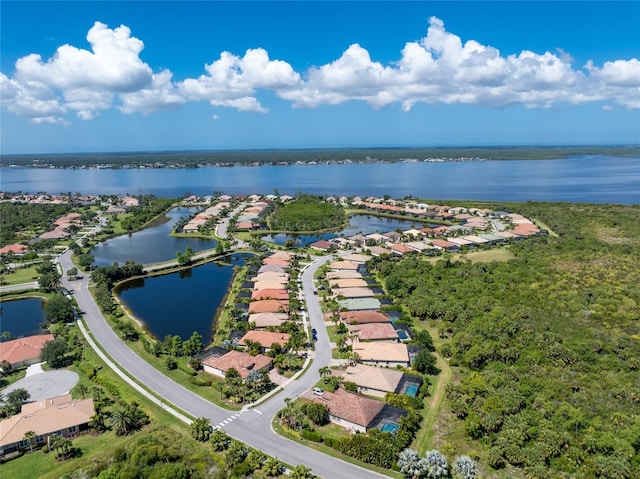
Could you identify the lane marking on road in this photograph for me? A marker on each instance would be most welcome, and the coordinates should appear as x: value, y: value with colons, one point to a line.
x: 257, y: 411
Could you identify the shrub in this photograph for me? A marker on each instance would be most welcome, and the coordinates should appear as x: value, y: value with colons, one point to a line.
x: 312, y: 436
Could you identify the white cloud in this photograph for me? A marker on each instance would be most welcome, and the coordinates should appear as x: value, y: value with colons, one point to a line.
x: 232, y: 81
x: 161, y: 94
x: 440, y: 68
x: 113, y: 64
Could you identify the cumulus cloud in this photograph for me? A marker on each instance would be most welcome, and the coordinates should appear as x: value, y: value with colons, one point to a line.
x: 232, y: 81
x: 440, y: 68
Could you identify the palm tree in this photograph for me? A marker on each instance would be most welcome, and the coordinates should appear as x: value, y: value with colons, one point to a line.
x: 82, y: 389
x: 30, y: 436
x: 121, y: 421
x: 324, y: 371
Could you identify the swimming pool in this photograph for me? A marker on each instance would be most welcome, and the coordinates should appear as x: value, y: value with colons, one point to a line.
x: 390, y: 426
x: 412, y: 390
x: 402, y: 334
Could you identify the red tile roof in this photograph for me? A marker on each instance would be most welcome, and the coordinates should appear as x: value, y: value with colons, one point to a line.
x: 269, y: 306
x: 352, y: 407
x: 270, y: 293
x: 23, y: 349
x: 265, y: 338
x: 362, y: 317
x: 242, y: 362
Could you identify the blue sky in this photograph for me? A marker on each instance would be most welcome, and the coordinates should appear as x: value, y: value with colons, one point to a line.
x: 129, y: 76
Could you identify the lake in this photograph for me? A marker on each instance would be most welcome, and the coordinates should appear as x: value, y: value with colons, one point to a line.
x: 588, y: 179
x: 22, y: 317
x: 151, y: 245
x: 363, y: 224
x: 180, y: 303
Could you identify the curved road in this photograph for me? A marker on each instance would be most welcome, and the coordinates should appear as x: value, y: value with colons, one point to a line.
x: 251, y: 426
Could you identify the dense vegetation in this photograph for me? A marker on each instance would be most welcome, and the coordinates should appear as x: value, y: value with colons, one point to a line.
x: 194, y: 159
x: 149, y: 208
x: 307, y: 213
x: 21, y: 221
x: 546, y: 344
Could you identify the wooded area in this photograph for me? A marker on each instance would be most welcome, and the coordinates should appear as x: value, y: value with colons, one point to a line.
x: 307, y: 213
x: 546, y: 344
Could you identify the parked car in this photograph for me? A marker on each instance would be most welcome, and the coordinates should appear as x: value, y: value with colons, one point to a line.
x: 318, y: 391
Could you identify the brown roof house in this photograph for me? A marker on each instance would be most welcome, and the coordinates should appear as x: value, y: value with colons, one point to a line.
x: 270, y: 293
x: 59, y: 415
x: 359, y: 413
x: 244, y: 363
x: 269, y: 306
x: 23, y: 351
x: 265, y: 338
x: 363, y: 317
x: 382, y: 354
x: 374, y: 332
x: 374, y: 381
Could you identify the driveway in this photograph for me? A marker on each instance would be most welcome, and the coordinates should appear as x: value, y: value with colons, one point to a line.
x: 46, y: 384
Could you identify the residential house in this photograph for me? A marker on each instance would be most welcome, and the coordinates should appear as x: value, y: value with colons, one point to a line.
x: 242, y: 362
x: 264, y: 320
x: 269, y: 306
x: 374, y: 332
x: 269, y: 293
x: 359, y: 304
x: 23, y: 351
x: 265, y: 338
x: 372, y: 380
x: 364, y: 317
x: 352, y: 411
x: 59, y: 415
x: 382, y: 353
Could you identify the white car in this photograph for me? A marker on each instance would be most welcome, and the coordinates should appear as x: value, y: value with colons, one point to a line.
x: 318, y: 391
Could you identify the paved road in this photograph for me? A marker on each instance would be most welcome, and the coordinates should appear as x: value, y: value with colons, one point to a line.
x: 20, y: 287
x: 252, y: 426
x: 46, y: 384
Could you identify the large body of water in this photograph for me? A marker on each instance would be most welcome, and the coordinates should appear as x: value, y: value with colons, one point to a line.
x: 358, y: 224
x: 22, y: 317
x: 587, y: 179
x: 180, y: 303
x: 151, y: 245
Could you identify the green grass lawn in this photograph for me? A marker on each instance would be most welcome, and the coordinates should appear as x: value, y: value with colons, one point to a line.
x: 481, y: 256
x: 21, y: 275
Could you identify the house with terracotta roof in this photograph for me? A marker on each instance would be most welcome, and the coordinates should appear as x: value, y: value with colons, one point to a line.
x: 374, y: 332
x: 59, y: 415
x: 284, y: 262
x: 269, y: 306
x: 401, y: 249
x: 270, y: 293
x: 244, y: 363
x: 348, y: 283
x: 379, y: 251
x: 23, y: 351
x: 273, y: 275
x: 374, y: 381
x: 351, y: 411
x: 364, y: 317
x: 269, y: 284
x: 353, y: 292
x: 264, y: 320
x: 382, y: 354
x: 16, y: 249
x: 265, y: 338
x: 344, y: 266
x: 344, y: 275
x: 321, y: 245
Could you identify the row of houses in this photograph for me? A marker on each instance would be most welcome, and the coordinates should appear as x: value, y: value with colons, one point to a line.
x: 62, y: 226
x: 266, y: 290
x: 377, y: 342
x: 204, y: 217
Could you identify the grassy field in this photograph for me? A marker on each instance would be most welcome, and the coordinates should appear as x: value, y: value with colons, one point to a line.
x: 21, y: 275
x: 482, y: 256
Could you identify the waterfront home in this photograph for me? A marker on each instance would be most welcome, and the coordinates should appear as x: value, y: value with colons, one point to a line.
x: 374, y: 332
x: 269, y: 293
x: 59, y: 415
x: 243, y: 363
x: 271, y: 268
x: 269, y: 306
x: 382, y: 354
x: 270, y: 284
x: 284, y: 262
x: 364, y: 317
x: 267, y: 276
x: 265, y: 320
x: 23, y: 351
x: 266, y: 339
x: 322, y: 245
